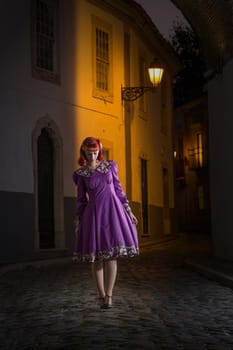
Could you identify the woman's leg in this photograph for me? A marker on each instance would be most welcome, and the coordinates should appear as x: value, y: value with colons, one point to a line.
x: 98, y: 275
x: 111, y: 273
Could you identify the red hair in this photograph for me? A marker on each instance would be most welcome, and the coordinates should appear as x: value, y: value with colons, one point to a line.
x: 93, y: 144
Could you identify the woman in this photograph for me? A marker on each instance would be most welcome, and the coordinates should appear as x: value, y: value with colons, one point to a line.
x: 106, y: 226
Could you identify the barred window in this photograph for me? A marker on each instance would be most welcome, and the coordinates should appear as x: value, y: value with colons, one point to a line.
x: 102, y: 59
x: 143, y: 81
x: 45, y: 40
x: 144, y: 194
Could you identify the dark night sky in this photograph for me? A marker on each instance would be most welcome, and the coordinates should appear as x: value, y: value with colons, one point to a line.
x: 163, y: 13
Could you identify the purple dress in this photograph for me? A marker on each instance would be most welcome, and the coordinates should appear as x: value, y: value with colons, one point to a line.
x: 105, y: 228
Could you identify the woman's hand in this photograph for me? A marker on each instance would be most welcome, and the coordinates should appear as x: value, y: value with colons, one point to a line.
x: 133, y: 217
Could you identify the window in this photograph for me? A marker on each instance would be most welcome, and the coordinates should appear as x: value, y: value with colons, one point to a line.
x: 102, y: 60
x: 199, y: 149
x: 45, y: 40
x: 143, y: 82
x: 164, y: 111
x: 165, y: 194
x: 144, y: 194
x: 106, y: 153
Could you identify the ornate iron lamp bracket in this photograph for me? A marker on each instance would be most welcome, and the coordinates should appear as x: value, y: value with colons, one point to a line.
x: 133, y: 93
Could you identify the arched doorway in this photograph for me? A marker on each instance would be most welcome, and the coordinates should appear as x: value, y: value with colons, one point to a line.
x: 45, y: 158
x: 47, y: 151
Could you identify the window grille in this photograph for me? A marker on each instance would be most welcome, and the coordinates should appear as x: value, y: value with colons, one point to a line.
x: 102, y: 59
x: 144, y: 194
x: 44, y: 40
x: 143, y: 82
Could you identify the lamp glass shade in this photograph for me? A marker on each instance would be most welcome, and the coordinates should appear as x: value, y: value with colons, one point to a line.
x: 155, y: 75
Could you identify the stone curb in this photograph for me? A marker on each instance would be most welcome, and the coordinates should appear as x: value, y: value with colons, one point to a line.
x: 211, y: 273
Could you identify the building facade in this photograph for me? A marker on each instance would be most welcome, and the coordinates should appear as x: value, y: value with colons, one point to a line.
x: 63, y: 64
x: 191, y: 144
x: 212, y: 21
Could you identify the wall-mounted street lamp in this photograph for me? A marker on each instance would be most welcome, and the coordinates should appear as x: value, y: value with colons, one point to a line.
x: 133, y: 93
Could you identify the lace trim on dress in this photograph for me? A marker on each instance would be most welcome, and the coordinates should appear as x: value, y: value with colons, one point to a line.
x: 115, y: 252
x: 103, y: 168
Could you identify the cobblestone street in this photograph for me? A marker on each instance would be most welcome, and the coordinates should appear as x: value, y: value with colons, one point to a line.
x: 158, y: 304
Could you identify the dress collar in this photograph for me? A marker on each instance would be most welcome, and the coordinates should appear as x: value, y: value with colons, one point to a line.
x: 103, y: 168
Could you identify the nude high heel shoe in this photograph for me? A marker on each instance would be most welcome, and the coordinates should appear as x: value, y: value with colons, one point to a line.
x: 102, y: 302
x: 107, y: 302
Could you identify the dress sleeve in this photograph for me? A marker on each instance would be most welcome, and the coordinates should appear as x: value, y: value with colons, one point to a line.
x: 117, y: 185
x: 81, y: 194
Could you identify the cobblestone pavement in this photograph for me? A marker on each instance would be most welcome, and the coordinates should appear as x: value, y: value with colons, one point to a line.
x: 158, y: 304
